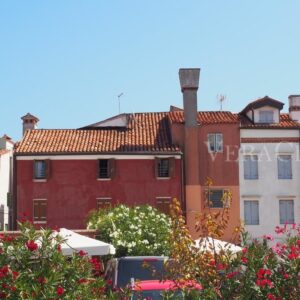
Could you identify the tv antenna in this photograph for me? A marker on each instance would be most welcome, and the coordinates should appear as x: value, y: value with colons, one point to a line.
x: 119, y: 96
x: 221, y: 99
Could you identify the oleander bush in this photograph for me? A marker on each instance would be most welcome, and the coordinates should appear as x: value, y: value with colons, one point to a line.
x: 32, y: 266
x: 139, y: 230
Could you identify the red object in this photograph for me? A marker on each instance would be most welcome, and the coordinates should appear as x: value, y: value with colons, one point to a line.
x: 60, y: 290
x: 153, y: 285
x: 31, y: 245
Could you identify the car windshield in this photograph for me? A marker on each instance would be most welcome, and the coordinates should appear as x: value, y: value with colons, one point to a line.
x: 139, y: 270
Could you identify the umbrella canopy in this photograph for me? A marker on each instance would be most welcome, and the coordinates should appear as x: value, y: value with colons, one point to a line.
x: 209, y: 244
x: 76, y: 242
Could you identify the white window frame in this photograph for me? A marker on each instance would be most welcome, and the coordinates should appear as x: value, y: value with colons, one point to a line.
x: 252, y: 221
x: 285, y: 173
x: 251, y: 174
x: 215, y: 142
x: 281, y: 221
x: 264, y: 116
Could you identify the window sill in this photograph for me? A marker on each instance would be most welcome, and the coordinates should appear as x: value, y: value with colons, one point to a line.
x: 103, y: 179
x: 163, y: 178
x: 39, y: 180
x: 39, y: 222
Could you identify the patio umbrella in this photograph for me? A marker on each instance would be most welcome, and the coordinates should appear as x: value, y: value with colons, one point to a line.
x: 75, y: 242
x: 209, y: 244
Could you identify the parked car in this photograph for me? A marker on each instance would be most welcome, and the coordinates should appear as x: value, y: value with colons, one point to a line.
x: 122, y: 271
x: 156, y: 290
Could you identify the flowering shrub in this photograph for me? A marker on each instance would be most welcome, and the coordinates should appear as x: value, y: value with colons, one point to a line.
x: 32, y: 266
x: 257, y: 272
x: 139, y: 230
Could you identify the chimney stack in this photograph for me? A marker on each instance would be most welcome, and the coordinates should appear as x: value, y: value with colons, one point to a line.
x: 189, y: 82
x: 294, y: 107
x: 29, y: 122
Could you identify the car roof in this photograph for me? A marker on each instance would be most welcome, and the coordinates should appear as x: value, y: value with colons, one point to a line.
x: 146, y: 285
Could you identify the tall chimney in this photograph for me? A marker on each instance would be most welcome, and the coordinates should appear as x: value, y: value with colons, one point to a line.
x: 29, y: 122
x: 294, y: 107
x: 189, y: 82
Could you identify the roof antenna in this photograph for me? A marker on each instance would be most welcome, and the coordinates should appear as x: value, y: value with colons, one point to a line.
x: 221, y: 98
x: 119, y: 96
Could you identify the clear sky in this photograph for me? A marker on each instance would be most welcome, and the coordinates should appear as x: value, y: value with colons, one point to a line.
x: 66, y: 61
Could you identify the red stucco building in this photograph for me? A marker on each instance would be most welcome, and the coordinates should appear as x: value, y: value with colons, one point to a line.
x: 62, y: 174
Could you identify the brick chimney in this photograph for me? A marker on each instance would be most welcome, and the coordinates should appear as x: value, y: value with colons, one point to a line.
x: 29, y: 122
x: 189, y: 82
x: 294, y: 107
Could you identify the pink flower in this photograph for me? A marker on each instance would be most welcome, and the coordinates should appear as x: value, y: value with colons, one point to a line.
x: 271, y: 297
x: 31, y: 245
x: 268, y: 237
x: 60, y: 290
x: 81, y: 253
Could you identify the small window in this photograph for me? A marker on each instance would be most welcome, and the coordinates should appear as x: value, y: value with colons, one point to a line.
x: 284, y: 163
x: 40, y: 169
x: 163, y: 204
x: 250, y: 167
x: 266, y: 116
x: 286, y: 211
x: 164, y: 167
x: 40, y: 211
x: 251, y: 212
x: 217, y: 198
x: 215, y: 142
x: 105, y: 168
x: 103, y: 203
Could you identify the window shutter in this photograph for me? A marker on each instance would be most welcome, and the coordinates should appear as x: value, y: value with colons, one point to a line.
x: 172, y: 167
x: 247, y: 212
x: 219, y: 142
x: 280, y: 168
x: 98, y: 168
x: 156, y: 162
x: 48, y: 168
x: 33, y: 169
x: 111, y: 168
x: 282, y: 211
x: 255, y: 213
x: 290, y: 211
x: 247, y: 167
x: 211, y: 142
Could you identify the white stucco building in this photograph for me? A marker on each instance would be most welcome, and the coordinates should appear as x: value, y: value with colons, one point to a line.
x: 6, y: 153
x: 269, y: 165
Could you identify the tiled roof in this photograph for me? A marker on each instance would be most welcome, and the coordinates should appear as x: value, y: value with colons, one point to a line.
x: 146, y: 132
x: 207, y: 117
x: 265, y: 101
x: 285, y: 122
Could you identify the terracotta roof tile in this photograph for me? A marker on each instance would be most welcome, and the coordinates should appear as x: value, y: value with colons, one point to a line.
x: 285, y: 122
x: 146, y: 132
x: 207, y: 117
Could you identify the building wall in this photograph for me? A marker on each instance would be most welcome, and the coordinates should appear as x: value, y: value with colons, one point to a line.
x: 221, y: 167
x: 268, y: 189
x: 72, y: 189
x: 5, y: 187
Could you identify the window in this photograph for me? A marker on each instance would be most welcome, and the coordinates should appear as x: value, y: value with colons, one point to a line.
x: 218, y: 198
x: 103, y: 203
x: 41, y: 169
x: 250, y: 167
x: 286, y: 211
x: 266, y: 116
x: 164, y: 167
x: 163, y: 204
x: 39, y: 211
x: 251, y: 212
x: 284, y: 163
x: 106, y: 168
x: 215, y: 142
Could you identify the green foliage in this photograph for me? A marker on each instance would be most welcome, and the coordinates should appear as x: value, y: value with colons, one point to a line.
x: 139, y: 230
x: 32, y: 266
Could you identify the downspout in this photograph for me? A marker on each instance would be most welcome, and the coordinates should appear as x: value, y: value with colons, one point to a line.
x: 14, y: 195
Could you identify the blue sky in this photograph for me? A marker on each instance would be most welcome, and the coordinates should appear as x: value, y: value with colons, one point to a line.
x: 66, y: 61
